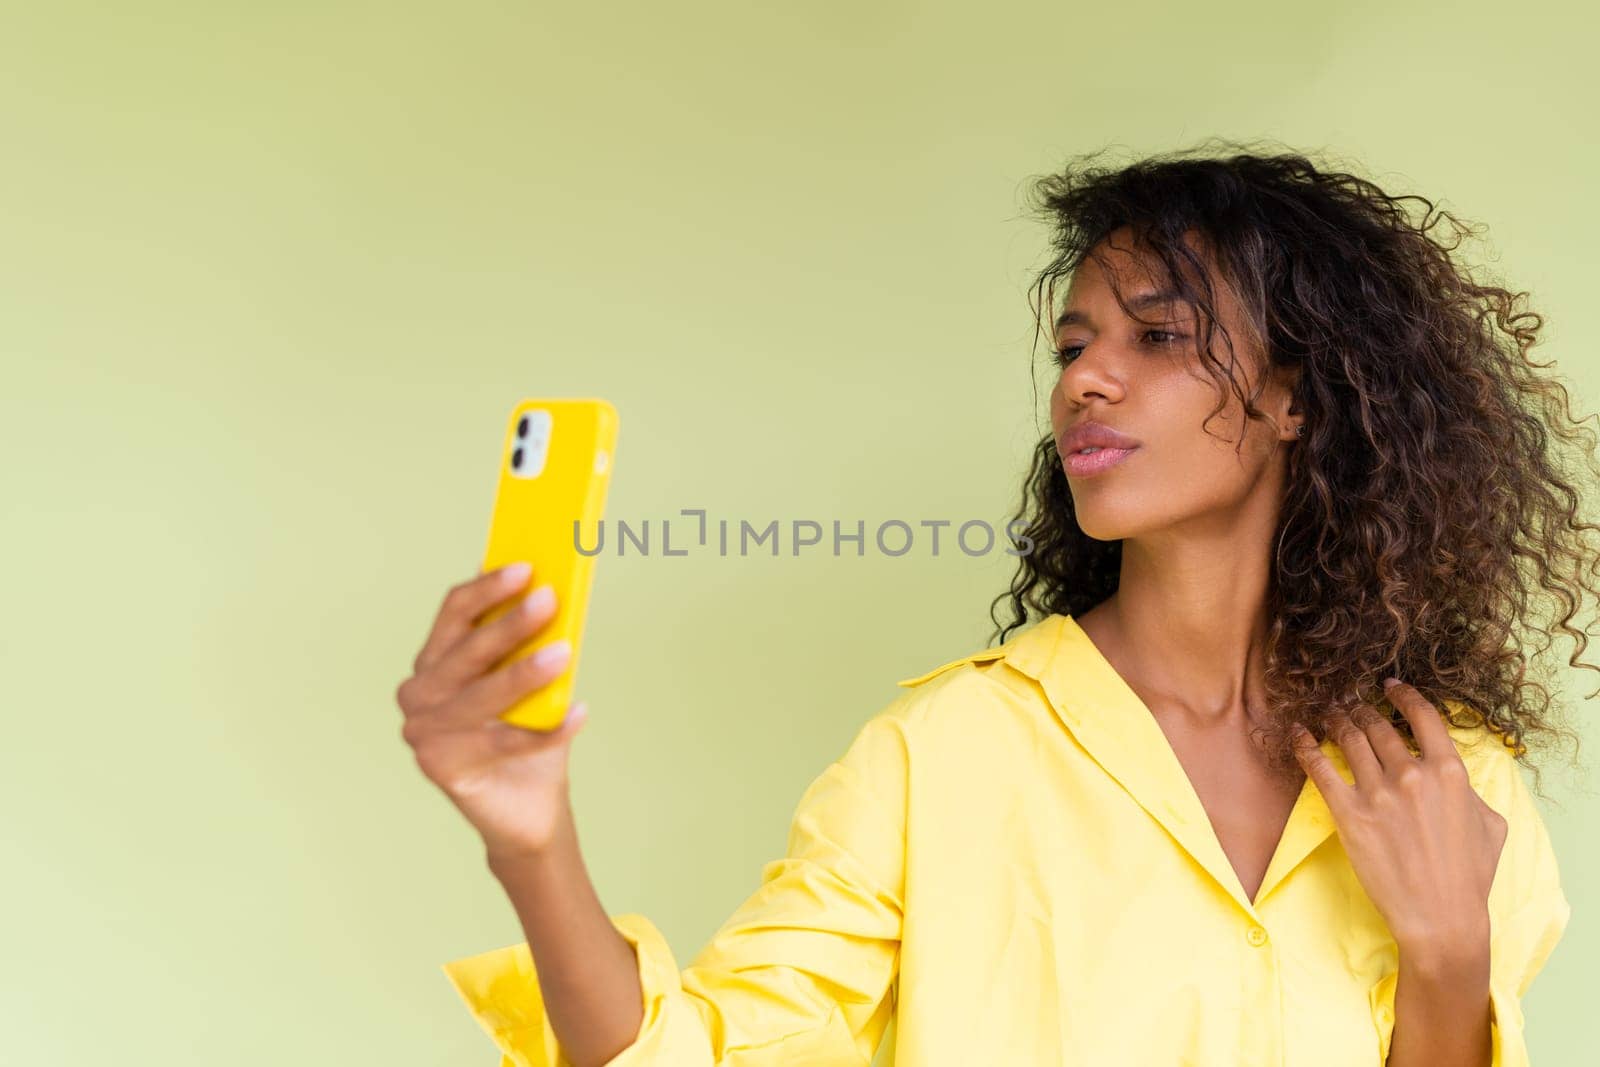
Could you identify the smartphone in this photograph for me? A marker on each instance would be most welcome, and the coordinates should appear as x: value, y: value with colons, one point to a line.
x: 555, y: 467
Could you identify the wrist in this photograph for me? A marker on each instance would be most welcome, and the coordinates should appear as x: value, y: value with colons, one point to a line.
x: 521, y: 853
x: 502, y: 859
x: 1455, y: 947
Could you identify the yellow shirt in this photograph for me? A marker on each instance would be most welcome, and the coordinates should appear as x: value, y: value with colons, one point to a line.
x: 1010, y: 864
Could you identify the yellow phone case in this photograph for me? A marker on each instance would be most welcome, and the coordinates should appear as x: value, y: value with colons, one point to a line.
x: 555, y: 467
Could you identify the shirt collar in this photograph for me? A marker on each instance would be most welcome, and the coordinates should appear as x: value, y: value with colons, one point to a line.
x: 1115, y: 727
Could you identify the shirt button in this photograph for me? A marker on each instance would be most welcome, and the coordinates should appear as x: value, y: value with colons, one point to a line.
x: 1256, y: 936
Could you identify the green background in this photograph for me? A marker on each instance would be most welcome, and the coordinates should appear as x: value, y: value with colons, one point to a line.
x: 271, y: 276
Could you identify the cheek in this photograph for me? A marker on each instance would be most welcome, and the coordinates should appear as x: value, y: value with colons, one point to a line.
x: 1058, y: 409
x: 1213, y: 471
x: 1203, y: 461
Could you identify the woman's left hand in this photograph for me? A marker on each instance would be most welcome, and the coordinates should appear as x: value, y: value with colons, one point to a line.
x: 1421, y: 841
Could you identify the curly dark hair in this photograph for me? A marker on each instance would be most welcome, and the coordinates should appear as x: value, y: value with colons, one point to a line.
x: 1426, y: 504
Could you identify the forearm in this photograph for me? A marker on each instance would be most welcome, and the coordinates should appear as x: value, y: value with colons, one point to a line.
x: 588, y: 973
x: 1442, y: 1004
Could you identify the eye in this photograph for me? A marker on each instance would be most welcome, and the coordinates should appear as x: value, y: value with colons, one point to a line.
x: 1067, y: 353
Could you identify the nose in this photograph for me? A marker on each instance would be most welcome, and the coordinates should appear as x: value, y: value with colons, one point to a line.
x: 1089, y: 375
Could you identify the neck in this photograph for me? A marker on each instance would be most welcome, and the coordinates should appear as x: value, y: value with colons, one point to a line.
x: 1189, y: 622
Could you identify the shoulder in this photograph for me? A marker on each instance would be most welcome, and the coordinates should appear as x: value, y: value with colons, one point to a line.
x: 923, y: 700
x: 995, y: 698
x: 965, y: 702
x: 1527, y: 900
x: 1488, y: 757
x: 1026, y: 656
x: 966, y: 685
x: 975, y: 659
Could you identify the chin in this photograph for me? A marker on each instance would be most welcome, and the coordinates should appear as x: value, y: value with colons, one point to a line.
x: 1104, y: 531
x: 1106, y: 519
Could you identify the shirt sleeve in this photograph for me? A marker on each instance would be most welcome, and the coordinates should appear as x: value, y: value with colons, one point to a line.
x: 1528, y: 913
x: 802, y: 972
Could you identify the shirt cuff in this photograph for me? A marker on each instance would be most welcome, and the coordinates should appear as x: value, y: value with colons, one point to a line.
x: 501, y: 990
x: 1505, y: 1022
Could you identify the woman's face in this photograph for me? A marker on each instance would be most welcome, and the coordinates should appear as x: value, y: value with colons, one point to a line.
x: 1146, y: 381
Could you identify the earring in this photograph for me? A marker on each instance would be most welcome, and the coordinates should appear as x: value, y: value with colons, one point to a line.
x: 1300, y: 431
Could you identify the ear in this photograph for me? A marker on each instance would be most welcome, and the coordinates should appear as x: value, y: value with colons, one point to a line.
x: 1283, y: 404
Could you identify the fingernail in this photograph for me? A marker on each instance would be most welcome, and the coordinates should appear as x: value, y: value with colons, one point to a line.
x: 554, y: 652
x: 512, y: 573
x: 578, y: 710
x: 1387, y: 682
x: 541, y: 599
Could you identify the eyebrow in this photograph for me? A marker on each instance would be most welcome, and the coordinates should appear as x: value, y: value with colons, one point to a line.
x: 1157, y: 298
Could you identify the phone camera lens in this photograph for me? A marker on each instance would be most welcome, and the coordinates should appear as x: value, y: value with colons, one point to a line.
x: 522, y: 426
x: 516, y: 460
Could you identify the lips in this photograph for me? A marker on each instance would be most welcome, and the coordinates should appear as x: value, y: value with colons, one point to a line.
x: 1110, y: 446
x: 1081, y: 465
x: 1091, y: 434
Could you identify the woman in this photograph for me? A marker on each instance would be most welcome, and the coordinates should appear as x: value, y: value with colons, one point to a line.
x: 1187, y: 815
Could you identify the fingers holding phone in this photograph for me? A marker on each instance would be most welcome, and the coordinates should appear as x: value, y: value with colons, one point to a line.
x: 488, y: 707
x: 508, y: 780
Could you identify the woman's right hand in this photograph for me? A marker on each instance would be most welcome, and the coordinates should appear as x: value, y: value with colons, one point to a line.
x: 509, y: 781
